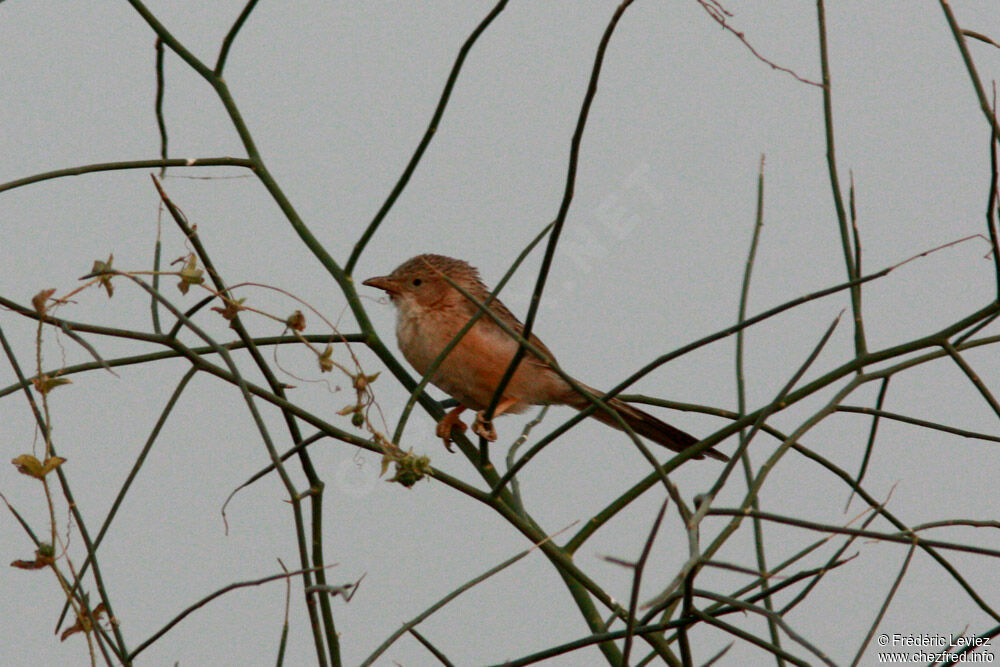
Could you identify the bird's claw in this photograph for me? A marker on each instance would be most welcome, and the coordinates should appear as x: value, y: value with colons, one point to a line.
x: 444, y: 427
x: 484, y: 428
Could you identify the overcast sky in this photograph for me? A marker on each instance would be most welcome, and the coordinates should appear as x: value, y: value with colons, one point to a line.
x: 337, y: 96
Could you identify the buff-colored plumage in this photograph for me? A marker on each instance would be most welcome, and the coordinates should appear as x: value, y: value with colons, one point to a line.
x: 431, y: 312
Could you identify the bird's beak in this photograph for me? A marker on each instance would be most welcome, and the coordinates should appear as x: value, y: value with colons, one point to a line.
x: 383, y: 283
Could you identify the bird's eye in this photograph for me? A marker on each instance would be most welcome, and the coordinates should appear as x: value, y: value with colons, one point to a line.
x: 417, y: 282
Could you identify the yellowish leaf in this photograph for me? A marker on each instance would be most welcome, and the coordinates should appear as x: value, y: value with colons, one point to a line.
x: 104, y: 268
x: 361, y: 381
x: 46, y: 383
x: 27, y: 464
x: 190, y: 274
x: 326, y: 359
x: 51, y: 464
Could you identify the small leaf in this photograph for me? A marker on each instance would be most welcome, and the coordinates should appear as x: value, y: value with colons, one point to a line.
x: 82, y: 625
x: 27, y: 464
x: 45, y: 383
x: 361, y: 381
x: 104, y: 268
x: 231, y: 309
x: 326, y: 359
x: 190, y: 274
x: 296, y: 321
x: 43, y: 558
x: 410, y: 469
x: 40, y: 300
x: 28, y: 564
x: 101, y: 266
x: 52, y: 463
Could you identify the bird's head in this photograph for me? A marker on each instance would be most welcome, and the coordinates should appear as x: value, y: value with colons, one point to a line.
x: 423, y: 282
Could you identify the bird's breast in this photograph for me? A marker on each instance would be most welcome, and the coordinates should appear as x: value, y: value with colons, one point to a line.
x: 473, y: 368
x: 416, y: 335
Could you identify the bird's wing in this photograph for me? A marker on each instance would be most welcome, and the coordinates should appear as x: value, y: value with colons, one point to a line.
x: 507, y: 317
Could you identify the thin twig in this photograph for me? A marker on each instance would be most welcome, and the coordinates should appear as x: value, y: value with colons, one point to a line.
x: 633, y: 602
x: 720, y: 16
x: 907, y: 538
x: 205, y: 600
x: 133, y: 164
x: 870, y: 445
x: 227, y: 42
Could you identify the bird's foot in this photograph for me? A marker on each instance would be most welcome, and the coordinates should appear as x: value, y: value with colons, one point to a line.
x: 448, y: 422
x: 484, y: 428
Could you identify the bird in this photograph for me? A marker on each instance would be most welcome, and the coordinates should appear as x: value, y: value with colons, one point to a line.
x: 430, y: 312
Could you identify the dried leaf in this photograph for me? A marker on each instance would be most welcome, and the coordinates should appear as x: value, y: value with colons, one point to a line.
x: 27, y: 464
x: 83, y: 622
x: 45, y: 383
x: 51, y: 464
x: 104, y: 268
x: 296, y: 321
x: 40, y: 300
x: 44, y: 556
x: 231, y: 308
x: 190, y: 274
x: 361, y: 381
x: 82, y: 625
x: 27, y: 565
x: 326, y: 359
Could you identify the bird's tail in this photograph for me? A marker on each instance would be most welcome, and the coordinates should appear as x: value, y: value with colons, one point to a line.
x: 642, y: 423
